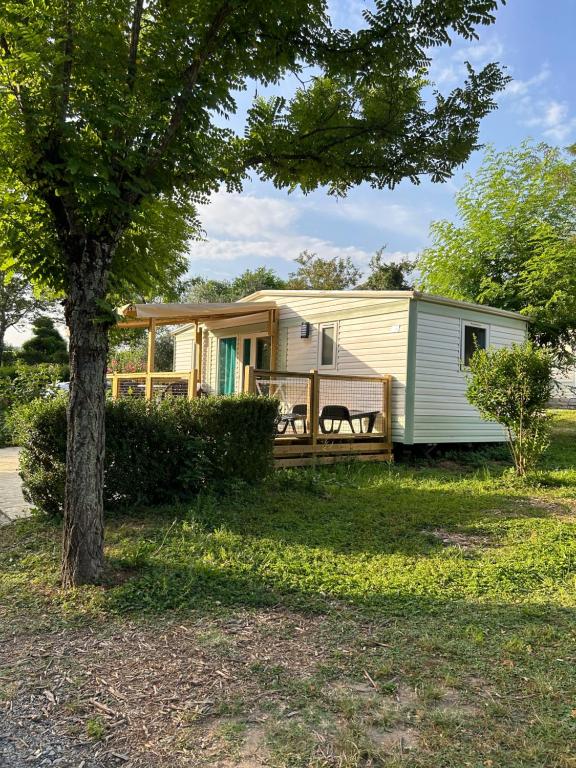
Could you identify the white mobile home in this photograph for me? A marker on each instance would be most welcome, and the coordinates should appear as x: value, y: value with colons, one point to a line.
x: 421, y: 341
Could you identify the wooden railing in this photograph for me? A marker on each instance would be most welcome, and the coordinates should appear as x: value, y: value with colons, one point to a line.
x: 154, y: 384
x: 327, y: 415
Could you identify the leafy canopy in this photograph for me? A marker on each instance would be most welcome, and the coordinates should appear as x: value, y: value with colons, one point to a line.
x: 109, y: 107
x: 201, y: 289
x: 515, y: 244
x: 387, y: 276
x: 313, y: 271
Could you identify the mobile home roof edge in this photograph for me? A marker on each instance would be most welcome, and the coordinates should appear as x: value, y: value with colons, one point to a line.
x: 417, y: 295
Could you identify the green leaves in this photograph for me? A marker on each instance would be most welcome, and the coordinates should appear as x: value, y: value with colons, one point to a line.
x: 514, y: 246
x: 109, y: 108
x: 512, y: 386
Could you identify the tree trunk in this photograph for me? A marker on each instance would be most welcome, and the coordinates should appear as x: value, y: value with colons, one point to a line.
x: 2, y: 337
x: 83, y: 540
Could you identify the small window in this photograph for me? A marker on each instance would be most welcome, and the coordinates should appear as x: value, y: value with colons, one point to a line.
x: 473, y: 337
x: 328, y: 346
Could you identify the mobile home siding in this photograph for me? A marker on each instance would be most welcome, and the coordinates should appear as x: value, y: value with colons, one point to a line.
x: 184, y: 350
x: 371, y: 341
x: 415, y: 339
x: 442, y: 413
x: 564, y: 391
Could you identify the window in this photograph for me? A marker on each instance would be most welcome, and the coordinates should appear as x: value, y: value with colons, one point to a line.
x: 263, y: 353
x: 328, y: 346
x: 473, y: 337
x: 255, y: 352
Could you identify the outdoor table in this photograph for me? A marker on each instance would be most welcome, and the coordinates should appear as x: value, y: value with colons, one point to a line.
x: 370, y: 415
x: 289, y: 420
x: 360, y: 415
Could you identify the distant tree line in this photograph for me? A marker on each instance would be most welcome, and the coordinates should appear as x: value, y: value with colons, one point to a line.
x: 312, y: 272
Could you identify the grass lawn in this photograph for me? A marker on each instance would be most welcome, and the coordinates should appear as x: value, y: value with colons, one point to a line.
x: 417, y: 616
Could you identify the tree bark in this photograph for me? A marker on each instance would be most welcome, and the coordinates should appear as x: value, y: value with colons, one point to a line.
x: 3, y: 330
x: 83, y: 536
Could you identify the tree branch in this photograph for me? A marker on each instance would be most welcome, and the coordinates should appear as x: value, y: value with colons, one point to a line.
x: 134, y: 41
x: 190, y: 78
x: 68, y: 47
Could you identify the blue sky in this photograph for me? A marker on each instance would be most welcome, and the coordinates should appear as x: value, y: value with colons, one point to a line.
x: 264, y: 226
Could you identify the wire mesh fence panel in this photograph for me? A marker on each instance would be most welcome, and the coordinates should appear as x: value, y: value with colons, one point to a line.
x: 293, y: 394
x: 169, y: 387
x: 134, y: 388
x: 351, y: 405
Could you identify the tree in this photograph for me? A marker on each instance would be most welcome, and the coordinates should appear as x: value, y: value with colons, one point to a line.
x: 387, y: 276
x: 314, y: 272
x: 106, y: 107
x: 18, y: 304
x: 129, y: 350
x: 46, y: 344
x: 512, y: 386
x: 259, y: 279
x: 515, y: 246
x: 203, y: 290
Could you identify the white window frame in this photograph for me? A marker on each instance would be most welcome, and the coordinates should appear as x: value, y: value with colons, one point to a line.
x: 240, y: 352
x: 471, y: 324
x: 334, y: 364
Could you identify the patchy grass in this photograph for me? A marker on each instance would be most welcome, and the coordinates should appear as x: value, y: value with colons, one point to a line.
x: 354, y: 616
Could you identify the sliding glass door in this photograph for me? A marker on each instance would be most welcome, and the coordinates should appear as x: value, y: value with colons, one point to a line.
x: 227, y: 366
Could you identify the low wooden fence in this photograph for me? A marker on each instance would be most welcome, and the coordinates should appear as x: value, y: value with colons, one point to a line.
x: 151, y: 385
x: 325, y: 417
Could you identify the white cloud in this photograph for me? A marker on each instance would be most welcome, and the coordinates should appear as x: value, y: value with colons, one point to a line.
x: 284, y: 246
x: 245, y: 226
x: 388, y: 217
x: 448, y: 67
x: 480, y: 53
x: 553, y: 119
x: 523, y: 87
x: 240, y: 216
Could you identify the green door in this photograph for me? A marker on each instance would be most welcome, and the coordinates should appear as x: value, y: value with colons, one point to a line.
x: 226, y: 366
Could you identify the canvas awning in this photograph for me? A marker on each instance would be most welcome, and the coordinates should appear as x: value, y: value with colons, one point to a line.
x: 140, y: 315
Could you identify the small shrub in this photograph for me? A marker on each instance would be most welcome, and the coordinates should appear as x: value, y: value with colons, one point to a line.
x: 22, y: 383
x: 156, y: 452
x: 512, y: 386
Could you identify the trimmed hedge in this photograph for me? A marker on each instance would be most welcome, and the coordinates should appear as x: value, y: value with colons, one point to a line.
x: 156, y: 452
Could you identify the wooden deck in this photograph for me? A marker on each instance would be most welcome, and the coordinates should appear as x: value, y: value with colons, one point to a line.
x: 306, y: 434
x: 315, y: 439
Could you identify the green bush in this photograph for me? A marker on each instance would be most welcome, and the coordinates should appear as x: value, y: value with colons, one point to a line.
x: 155, y: 452
x: 512, y: 386
x: 23, y: 383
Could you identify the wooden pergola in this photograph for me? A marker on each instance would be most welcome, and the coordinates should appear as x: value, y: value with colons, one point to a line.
x: 151, y: 316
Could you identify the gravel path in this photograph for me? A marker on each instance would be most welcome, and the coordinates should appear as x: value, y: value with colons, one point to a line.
x: 12, y: 504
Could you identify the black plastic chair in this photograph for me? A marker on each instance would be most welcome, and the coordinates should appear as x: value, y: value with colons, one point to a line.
x: 289, y: 419
x: 300, y: 409
x: 336, y: 415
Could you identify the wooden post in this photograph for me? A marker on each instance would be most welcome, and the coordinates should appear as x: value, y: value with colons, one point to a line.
x: 151, y: 354
x: 273, y: 333
x: 193, y: 384
x: 115, y: 387
x: 313, y: 405
x: 249, y: 379
x: 198, y: 354
x: 389, y: 410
